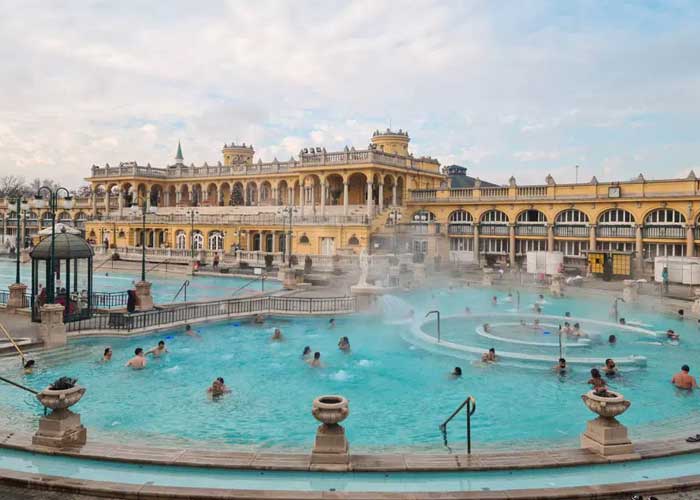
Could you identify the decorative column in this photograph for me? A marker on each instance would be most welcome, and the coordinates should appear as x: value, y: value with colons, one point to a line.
x: 148, y: 199
x: 246, y: 196
x: 290, y: 197
x: 639, y: 247
x: 166, y: 197
x: 550, y: 237
x: 370, y: 201
x: 302, y: 200
x: 393, y: 195
x: 216, y: 196
x: 323, y: 198
x: 275, y: 198
x: 120, y: 202
x: 689, y: 241
x: 511, y: 245
x: 312, y: 191
x: 107, y: 202
x: 346, y: 201
x: 476, y: 243
x: 52, y: 330
x: 178, y: 198
x: 381, y: 196
x: 591, y: 238
x: 93, y: 202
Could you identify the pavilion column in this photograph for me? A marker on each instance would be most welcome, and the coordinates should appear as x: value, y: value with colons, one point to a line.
x: 476, y: 243
x: 216, y: 196
x: 107, y: 202
x: 393, y: 195
x: 381, y: 196
x: 178, y: 198
x: 302, y: 199
x: 166, y: 197
x: 323, y: 199
x: 550, y: 237
x: 93, y: 202
x: 369, y: 199
x: 511, y: 245
x: 689, y: 241
x: 148, y: 199
x: 639, y: 247
x: 313, y: 198
x: 275, y: 198
x: 591, y: 238
x: 345, y: 198
x: 246, y: 196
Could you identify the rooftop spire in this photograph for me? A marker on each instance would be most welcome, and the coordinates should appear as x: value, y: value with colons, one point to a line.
x: 178, y: 156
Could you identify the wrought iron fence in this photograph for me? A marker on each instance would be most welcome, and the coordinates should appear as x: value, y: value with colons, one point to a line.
x: 108, y: 300
x: 121, y: 321
x: 5, y: 297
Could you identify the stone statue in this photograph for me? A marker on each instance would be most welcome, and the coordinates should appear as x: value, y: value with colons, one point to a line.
x: 364, y: 267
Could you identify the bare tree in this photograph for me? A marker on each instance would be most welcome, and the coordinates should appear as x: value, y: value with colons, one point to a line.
x: 12, y: 186
x: 37, y: 183
x: 83, y: 191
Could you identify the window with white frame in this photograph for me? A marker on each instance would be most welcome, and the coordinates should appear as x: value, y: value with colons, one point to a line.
x: 665, y: 216
x: 524, y: 246
x: 571, y: 248
x: 572, y: 216
x: 216, y: 241
x: 494, y: 217
x: 615, y: 246
x: 180, y: 240
x: 652, y: 250
x: 531, y: 217
x: 197, y: 241
x: 460, y: 217
x: 493, y: 245
x: 461, y: 244
x: 616, y: 216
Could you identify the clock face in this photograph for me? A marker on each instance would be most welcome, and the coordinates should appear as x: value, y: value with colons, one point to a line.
x: 614, y: 192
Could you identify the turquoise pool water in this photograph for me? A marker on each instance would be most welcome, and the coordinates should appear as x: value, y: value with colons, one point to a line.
x: 164, y: 286
x: 399, y: 390
x: 365, y: 481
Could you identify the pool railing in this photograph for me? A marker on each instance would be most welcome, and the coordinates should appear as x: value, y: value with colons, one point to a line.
x: 236, y: 307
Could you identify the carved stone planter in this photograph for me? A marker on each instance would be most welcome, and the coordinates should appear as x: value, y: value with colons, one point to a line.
x: 330, y: 450
x: 17, y: 298
x: 61, y: 428
x: 605, y: 435
x: 144, y: 300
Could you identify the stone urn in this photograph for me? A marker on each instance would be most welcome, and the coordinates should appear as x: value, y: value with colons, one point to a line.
x: 61, y: 428
x: 606, y: 407
x: 605, y: 435
x: 330, y: 450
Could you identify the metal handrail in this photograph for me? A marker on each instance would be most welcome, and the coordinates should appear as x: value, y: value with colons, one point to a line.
x: 470, y: 404
x: 261, y: 279
x: 184, y: 286
x: 24, y: 388
x: 159, y: 263
x: 9, y: 337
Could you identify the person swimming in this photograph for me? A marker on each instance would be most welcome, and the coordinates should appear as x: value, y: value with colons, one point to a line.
x: 259, y: 319
x: 509, y: 297
x: 138, y: 362
x: 490, y: 356
x: 306, y: 354
x: 218, y: 388
x: 316, y: 361
x: 612, y: 339
x: 610, y: 368
x: 28, y: 366
x: 107, y: 355
x: 671, y: 335
x: 560, y: 367
x: 683, y: 379
x: 623, y: 321
x: 456, y: 373
x: 567, y: 329
x: 331, y: 323
x: 159, y: 350
x: 487, y: 328
x: 277, y: 335
x: 537, y: 308
x: 681, y: 314
x: 190, y: 332
x: 597, y: 382
x: 494, y: 301
x: 344, y: 344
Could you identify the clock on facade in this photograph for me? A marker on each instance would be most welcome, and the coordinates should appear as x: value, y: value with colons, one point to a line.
x: 614, y: 192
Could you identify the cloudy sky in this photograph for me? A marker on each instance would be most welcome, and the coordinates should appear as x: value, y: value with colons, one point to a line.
x: 519, y: 87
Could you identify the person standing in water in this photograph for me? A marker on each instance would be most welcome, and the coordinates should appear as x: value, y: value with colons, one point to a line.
x: 107, y: 355
x: 159, y: 350
x: 316, y: 361
x: 277, y: 335
x: 138, y: 362
x: 218, y: 388
x: 344, y: 344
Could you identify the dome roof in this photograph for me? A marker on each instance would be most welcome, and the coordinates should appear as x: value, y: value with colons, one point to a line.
x: 66, y: 246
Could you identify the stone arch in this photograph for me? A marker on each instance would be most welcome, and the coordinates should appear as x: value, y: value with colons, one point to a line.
x: 353, y: 241
x: 141, y: 190
x: 197, y: 195
x: 335, y: 189
x: 266, y: 193
x: 224, y: 194
x: 572, y: 216
x: 664, y: 216
x: 251, y: 193
x: 387, y: 193
x: 282, y: 193
x: 357, y: 188
x: 156, y: 195
x: 185, y: 195
x: 531, y: 216
x: 172, y: 196
x: 238, y: 194
x: 212, y: 196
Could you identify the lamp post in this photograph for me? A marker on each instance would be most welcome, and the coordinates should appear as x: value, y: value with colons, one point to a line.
x: 40, y: 203
x: 21, y: 206
x: 144, y: 210
x: 394, y: 217
x: 289, y: 211
x: 193, y: 213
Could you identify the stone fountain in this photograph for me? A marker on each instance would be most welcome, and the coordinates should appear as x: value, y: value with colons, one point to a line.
x: 605, y: 435
x: 330, y: 450
x: 61, y: 428
x: 365, y: 292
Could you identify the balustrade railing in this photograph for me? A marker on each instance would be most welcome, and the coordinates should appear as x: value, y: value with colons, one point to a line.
x: 664, y: 232
x: 243, y: 306
x: 460, y: 229
x: 493, y: 229
x: 530, y: 230
x: 604, y: 231
x: 572, y: 231
x: 494, y: 192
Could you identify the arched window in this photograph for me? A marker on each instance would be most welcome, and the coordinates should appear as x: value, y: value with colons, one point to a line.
x: 353, y: 240
x: 197, y: 240
x: 423, y: 217
x: 460, y: 217
x: 572, y: 216
x: 121, y: 234
x: 665, y: 216
x: 531, y: 217
x: 494, y: 217
x: 216, y: 240
x: 180, y: 240
x: 616, y: 216
x: 304, y: 240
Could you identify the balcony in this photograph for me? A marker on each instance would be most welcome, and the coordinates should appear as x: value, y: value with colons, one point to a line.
x: 571, y: 231
x: 460, y: 229
x: 493, y: 230
x: 664, y: 232
x: 530, y: 230
x: 603, y: 231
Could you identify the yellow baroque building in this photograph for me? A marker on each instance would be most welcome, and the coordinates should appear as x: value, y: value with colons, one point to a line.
x: 381, y: 198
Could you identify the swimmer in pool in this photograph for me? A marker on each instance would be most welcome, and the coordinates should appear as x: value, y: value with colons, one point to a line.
x: 331, y: 323
x: 560, y: 367
x: 259, y: 319
x: 537, y: 308
x: 683, y: 379
x: 158, y: 350
x: 567, y: 329
x: 487, y: 328
x: 138, y: 362
x: 218, y: 388
x: 671, y: 335
x: 612, y: 339
x: 306, y: 354
x: 456, y: 373
x: 316, y: 361
x: 28, y: 366
x: 344, y: 344
x: 610, y: 368
x: 577, y: 332
x: 490, y: 356
x: 494, y: 301
x: 509, y: 297
x: 107, y: 355
x: 190, y: 332
x: 623, y: 321
x: 597, y: 382
x: 277, y: 335
x: 540, y: 299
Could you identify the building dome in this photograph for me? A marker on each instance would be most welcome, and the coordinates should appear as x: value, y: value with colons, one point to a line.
x: 66, y: 246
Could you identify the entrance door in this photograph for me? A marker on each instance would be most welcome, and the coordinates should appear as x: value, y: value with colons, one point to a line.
x: 327, y: 246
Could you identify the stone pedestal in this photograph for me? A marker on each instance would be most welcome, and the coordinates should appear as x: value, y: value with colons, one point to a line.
x: 24, y: 256
x: 419, y: 273
x: 60, y: 429
x: 487, y: 277
x: 608, y: 437
x: 330, y: 451
x: 696, y: 303
x: 557, y: 285
x: 144, y: 300
x: 630, y: 292
x: 288, y: 277
x: 17, y: 298
x: 52, y: 330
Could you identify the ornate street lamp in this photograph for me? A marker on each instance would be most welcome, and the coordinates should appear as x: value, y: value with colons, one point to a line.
x: 21, y: 206
x: 40, y: 203
x: 192, y: 213
x: 289, y: 211
x: 144, y: 210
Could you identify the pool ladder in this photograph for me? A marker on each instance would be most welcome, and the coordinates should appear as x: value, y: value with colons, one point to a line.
x: 470, y: 405
x: 183, y: 288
